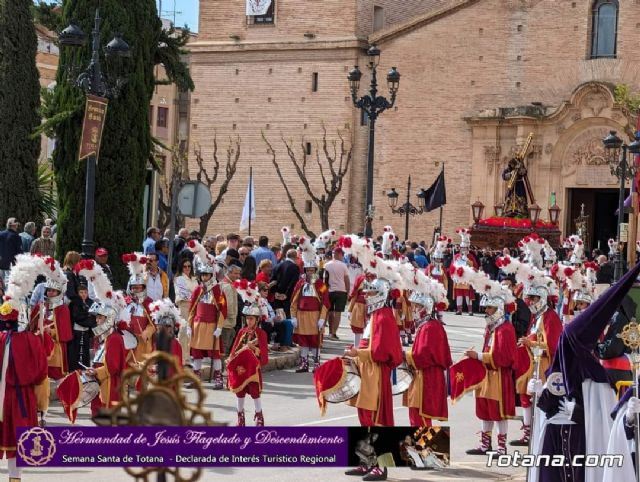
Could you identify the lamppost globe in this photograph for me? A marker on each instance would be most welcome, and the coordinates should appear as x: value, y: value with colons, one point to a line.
x: 354, y: 79
x: 374, y: 54
x: 612, y: 144
x: 393, y: 198
x: 117, y: 47
x: 393, y: 80
x: 634, y: 147
x: 72, y: 36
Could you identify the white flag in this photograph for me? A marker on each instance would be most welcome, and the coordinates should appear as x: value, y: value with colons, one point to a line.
x: 249, y: 206
x: 258, y: 7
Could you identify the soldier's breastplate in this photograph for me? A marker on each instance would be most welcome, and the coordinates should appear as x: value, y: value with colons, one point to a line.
x: 309, y: 290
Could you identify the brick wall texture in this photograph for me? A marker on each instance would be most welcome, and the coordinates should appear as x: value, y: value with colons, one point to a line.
x: 457, y: 58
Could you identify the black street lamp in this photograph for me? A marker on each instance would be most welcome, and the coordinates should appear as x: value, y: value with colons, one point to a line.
x: 372, y: 105
x: 616, y: 151
x: 93, y: 81
x: 407, y: 208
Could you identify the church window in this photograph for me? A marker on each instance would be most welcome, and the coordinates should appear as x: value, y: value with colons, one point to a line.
x: 314, y: 82
x: 378, y: 18
x: 604, y: 29
x: 308, y: 207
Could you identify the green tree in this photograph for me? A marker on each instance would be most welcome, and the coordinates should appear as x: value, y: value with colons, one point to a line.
x: 127, y: 145
x: 19, y: 112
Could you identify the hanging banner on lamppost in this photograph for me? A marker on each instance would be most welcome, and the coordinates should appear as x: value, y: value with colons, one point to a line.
x: 95, y: 114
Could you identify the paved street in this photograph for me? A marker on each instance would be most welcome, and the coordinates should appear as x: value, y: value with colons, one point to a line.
x: 289, y: 399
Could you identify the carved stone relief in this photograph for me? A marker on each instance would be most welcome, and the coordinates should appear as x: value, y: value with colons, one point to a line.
x: 491, y: 156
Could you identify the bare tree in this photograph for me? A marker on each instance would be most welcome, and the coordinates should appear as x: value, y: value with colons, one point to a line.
x: 202, y: 175
x: 179, y: 170
x: 333, y: 164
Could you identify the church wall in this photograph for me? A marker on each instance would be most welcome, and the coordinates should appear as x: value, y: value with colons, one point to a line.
x: 493, y: 54
x: 249, y: 93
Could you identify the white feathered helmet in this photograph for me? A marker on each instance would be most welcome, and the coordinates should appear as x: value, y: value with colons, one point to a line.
x: 534, y: 280
x: 441, y: 245
x: 136, y: 263
x: 56, y: 279
x: 550, y: 255
x: 107, y: 302
x: 613, y: 247
x: 425, y: 291
x: 165, y: 313
x: 308, y: 253
x: 465, y: 238
x: 21, y: 281
x: 254, y: 304
x: 577, y: 257
x: 324, y: 239
x: 205, y: 263
x: 388, y: 239
x: 532, y: 246
x: 493, y: 293
x: 286, y: 235
x: 358, y: 247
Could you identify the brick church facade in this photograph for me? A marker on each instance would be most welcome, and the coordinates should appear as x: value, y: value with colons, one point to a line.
x: 477, y: 77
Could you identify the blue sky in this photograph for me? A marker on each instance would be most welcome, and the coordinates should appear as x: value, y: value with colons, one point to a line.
x: 188, y: 15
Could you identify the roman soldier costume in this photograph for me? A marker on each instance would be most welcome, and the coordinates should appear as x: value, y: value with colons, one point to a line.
x: 23, y: 362
x: 52, y: 319
x: 167, y: 319
x: 542, y: 336
x: 116, y: 345
x: 141, y: 323
x: 250, y: 352
x: 436, y: 269
x: 379, y: 351
x: 463, y: 291
x: 495, y: 395
x: 309, y: 307
x: 430, y: 356
x: 357, y: 308
x: 206, y: 315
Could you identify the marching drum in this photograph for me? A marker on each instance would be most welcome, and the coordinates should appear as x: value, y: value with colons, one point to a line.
x: 403, y: 379
x: 350, y: 386
x: 130, y: 340
x: 90, y: 389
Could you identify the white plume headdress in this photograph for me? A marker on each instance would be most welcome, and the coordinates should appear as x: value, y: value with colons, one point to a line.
x: 324, y: 239
x: 550, y: 255
x: 493, y: 291
x: 164, y: 312
x: 388, y: 238
x: 532, y: 246
x: 357, y: 247
x: 308, y: 252
x: 22, y: 279
x: 205, y: 262
x: 441, y: 245
x: 613, y: 247
x: 422, y: 286
x: 535, y: 281
x: 254, y: 303
x: 465, y: 237
x: 286, y: 235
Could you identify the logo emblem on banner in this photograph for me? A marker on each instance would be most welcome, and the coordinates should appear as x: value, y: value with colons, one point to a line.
x: 36, y: 446
x: 95, y: 114
x: 258, y: 7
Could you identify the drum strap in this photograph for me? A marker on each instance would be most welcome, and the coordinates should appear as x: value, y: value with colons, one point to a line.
x: 23, y: 408
x: 394, y: 376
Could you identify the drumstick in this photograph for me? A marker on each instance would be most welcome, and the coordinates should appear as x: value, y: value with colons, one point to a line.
x: 84, y: 366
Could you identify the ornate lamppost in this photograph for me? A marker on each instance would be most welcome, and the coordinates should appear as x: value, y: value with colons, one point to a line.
x: 99, y: 89
x: 616, y: 151
x: 407, y: 209
x: 372, y: 105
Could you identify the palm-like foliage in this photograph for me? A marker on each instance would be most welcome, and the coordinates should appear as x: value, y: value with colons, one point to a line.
x: 48, y: 191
